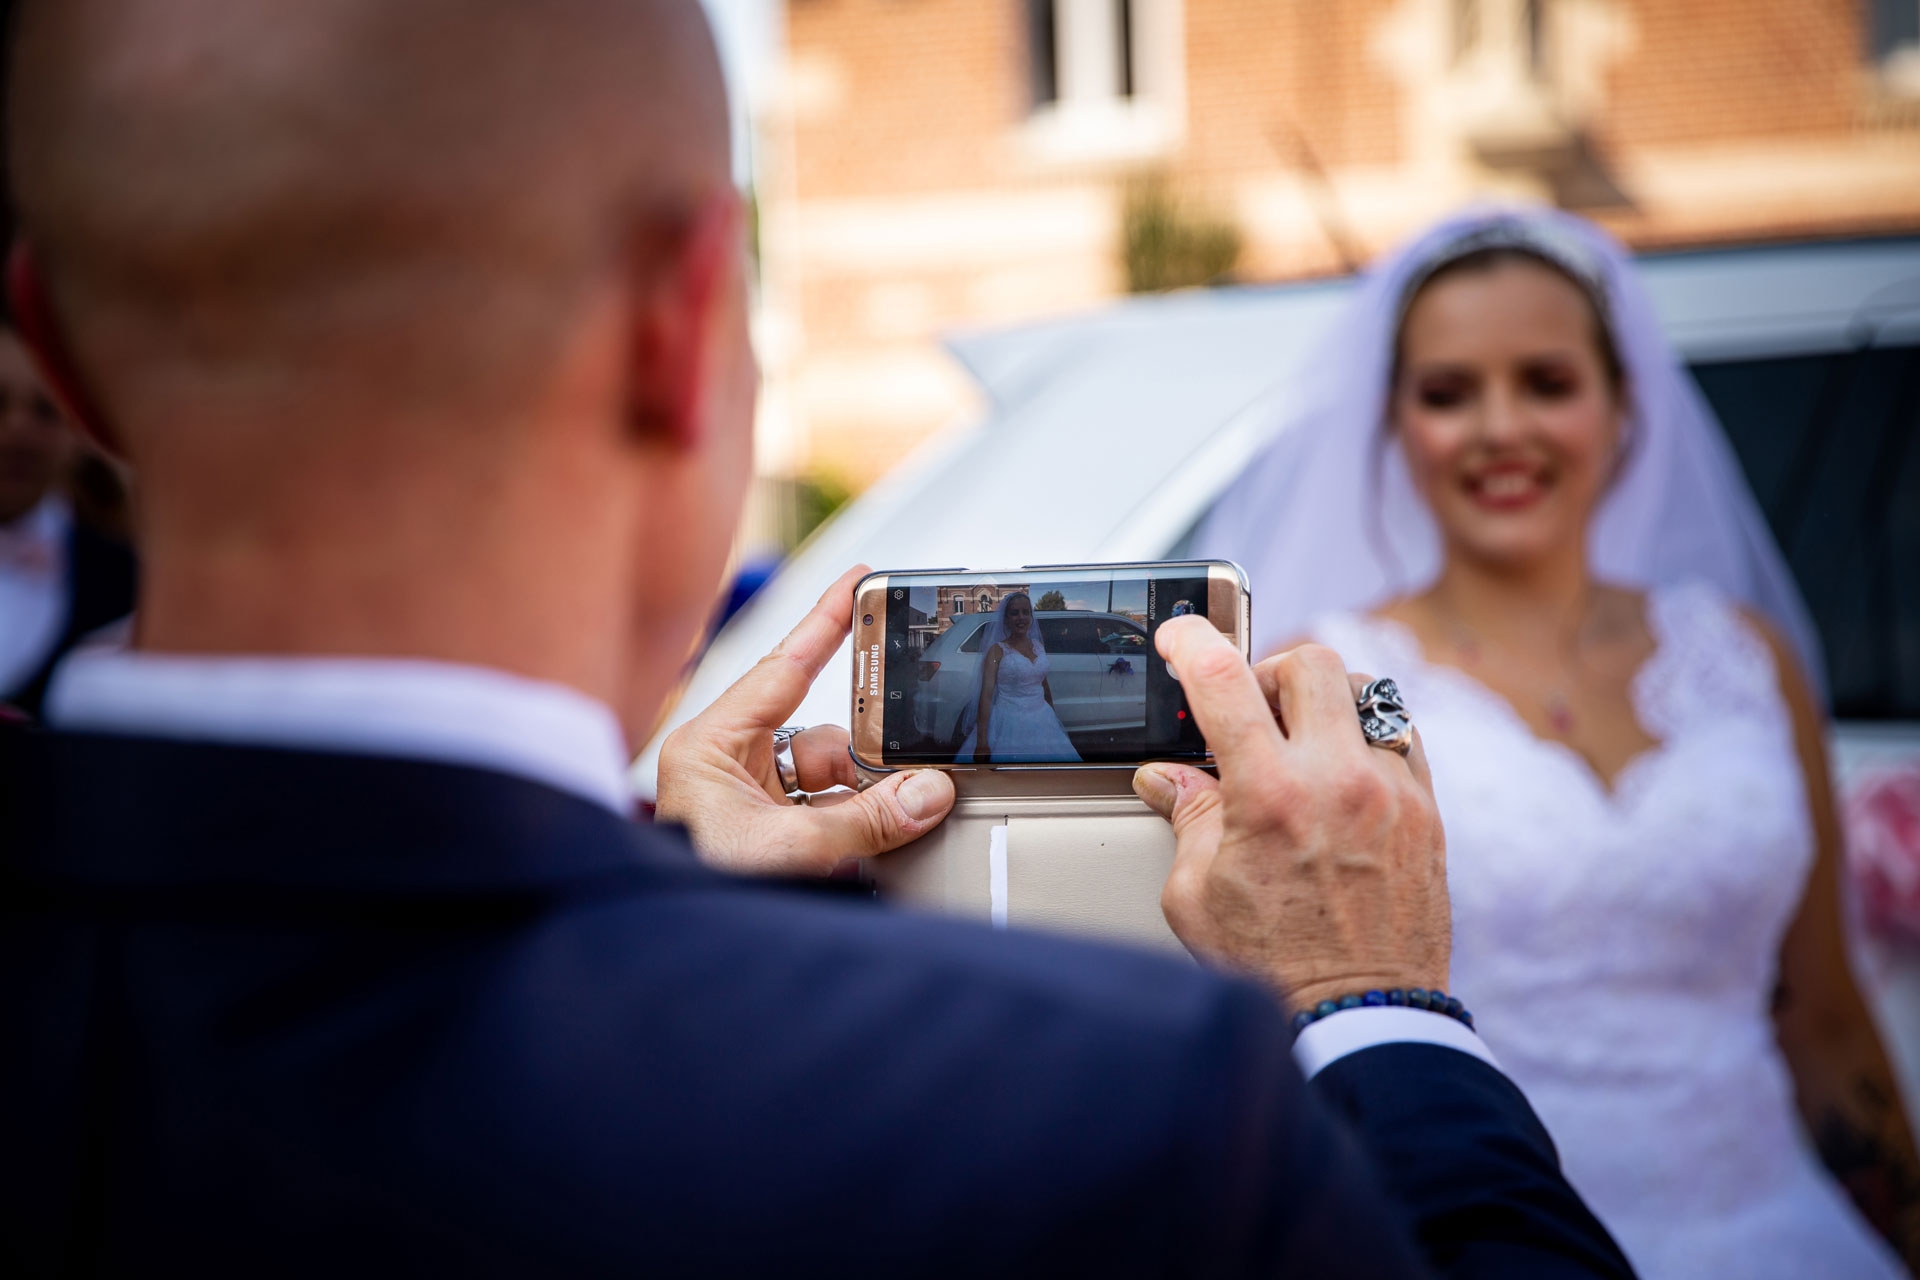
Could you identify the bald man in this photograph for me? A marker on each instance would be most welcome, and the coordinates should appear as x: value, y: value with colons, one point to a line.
x: 329, y: 944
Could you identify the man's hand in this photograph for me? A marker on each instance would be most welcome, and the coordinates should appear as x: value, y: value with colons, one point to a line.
x: 717, y: 775
x: 1315, y: 862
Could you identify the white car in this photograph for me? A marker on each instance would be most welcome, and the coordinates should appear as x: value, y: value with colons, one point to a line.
x: 1098, y: 673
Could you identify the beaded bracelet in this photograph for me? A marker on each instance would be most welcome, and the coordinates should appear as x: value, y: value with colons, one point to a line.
x: 1396, y: 997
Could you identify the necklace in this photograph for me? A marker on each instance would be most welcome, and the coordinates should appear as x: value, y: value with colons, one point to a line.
x: 1467, y: 645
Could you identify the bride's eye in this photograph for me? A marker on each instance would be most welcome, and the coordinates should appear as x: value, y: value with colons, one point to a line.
x: 1445, y: 392
x: 1551, y: 381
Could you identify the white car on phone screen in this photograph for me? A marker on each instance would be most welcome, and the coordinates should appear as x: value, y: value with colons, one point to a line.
x: 1098, y: 672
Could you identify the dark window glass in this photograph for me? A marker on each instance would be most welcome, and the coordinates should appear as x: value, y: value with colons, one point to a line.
x: 1831, y: 445
x: 1534, y: 19
x: 972, y: 643
x: 1895, y: 23
x: 1042, y: 56
x: 1070, y: 635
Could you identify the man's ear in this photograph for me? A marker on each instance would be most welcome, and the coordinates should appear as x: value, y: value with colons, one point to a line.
x: 675, y: 296
x: 39, y: 328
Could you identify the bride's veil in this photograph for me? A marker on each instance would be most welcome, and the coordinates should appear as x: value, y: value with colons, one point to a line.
x: 992, y: 634
x: 1327, y: 519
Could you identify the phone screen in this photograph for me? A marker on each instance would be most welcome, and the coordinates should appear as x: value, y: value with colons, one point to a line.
x: 1042, y: 667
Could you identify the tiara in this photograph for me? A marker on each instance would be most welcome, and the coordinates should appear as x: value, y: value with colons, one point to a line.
x: 1550, y: 244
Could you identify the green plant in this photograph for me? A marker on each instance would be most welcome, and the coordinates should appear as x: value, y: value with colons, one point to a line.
x: 1052, y: 600
x: 815, y: 497
x: 1166, y: 245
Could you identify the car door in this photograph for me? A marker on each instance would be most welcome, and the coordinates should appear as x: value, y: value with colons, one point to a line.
x: 1123, y: 673
x: 1074, y: 654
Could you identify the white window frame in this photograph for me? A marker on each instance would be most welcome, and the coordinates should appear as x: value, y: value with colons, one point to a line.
x: 1089, y: 121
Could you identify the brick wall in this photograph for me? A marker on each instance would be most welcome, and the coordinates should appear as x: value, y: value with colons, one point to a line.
x: 913, y: 204
x: 909, y: 95
x: 1735, y: 69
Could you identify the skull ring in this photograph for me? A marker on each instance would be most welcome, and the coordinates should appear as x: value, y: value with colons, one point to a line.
x: 1383, y: 716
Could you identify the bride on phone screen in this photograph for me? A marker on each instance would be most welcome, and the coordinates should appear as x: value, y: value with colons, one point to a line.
x: 1010, y: 714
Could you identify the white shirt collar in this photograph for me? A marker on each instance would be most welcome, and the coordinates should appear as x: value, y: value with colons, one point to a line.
x: 369, y: 706
x: 33, y: 598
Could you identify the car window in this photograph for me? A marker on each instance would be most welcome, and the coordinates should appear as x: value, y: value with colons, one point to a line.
x: 1069, y: 635
x: 1120, y: 637
x: 1831, y: 446
x: 972, y: 643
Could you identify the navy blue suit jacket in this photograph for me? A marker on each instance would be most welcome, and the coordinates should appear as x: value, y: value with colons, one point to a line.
x: 288, y: 1013
x: 101, y: 580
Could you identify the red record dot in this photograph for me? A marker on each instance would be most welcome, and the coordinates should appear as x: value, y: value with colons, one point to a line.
x: 1181, y: 713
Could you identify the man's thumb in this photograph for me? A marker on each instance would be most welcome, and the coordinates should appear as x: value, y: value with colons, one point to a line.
x: 1171, y: 789
x: 886, y: 816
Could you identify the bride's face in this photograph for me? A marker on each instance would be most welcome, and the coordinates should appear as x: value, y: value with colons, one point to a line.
x: 1019, y: 618
x: 1507, y: 411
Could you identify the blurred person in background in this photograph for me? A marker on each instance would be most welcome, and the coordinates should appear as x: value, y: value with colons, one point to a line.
x: 329, y: 943
x: 1507, y: 491
x: 61, y: 577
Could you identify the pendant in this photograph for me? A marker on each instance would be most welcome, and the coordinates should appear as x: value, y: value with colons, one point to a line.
x: 1559, y: 715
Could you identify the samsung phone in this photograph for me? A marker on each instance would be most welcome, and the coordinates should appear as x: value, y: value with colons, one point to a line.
x: 1047, y: 665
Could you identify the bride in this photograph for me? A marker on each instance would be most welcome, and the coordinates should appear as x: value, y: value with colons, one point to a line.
x: 1508, y: 495
x: 1011, y: 707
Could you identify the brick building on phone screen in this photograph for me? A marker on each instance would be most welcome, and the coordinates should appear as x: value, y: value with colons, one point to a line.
x: 931, y: 165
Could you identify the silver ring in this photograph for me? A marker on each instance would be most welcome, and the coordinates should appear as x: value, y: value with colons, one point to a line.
x: 783, y: 761
x: 1383, y: 716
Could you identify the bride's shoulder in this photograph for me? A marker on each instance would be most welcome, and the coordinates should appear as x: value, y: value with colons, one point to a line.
x: 1717, y: 655
x: 1693, y: 613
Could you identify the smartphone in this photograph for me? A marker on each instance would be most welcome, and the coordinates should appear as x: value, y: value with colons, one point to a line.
x: 1050, y: 665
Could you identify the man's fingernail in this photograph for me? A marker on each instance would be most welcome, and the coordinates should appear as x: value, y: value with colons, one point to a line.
x: 923, y: 794
x: 1155, y: 787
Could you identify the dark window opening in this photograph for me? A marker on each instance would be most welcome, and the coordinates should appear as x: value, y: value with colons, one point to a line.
x: 1831, y: 446
x: 1894, y: 23
x: 1536, y: 35
x: 1043, y: 54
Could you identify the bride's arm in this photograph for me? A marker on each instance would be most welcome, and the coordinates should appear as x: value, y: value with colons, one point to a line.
x: 989, y: 681
x: 1846, y: 1090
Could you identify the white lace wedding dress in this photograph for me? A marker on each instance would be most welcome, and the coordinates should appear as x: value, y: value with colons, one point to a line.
x: 1618, y: 949
x: 1022, y: 724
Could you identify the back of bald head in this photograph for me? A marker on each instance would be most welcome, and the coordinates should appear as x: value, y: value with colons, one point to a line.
x: 405, y: 194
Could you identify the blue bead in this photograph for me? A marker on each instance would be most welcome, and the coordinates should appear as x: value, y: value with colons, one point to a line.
x: 1349, y: 1002
x: 1397, y: 997
x: 1301, y: 1021
x: 1324, y: 1008
x: 1467, y: 1018
x: 1454, y: 1008
x: 1417, y: 997
x: 1374, y: 998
